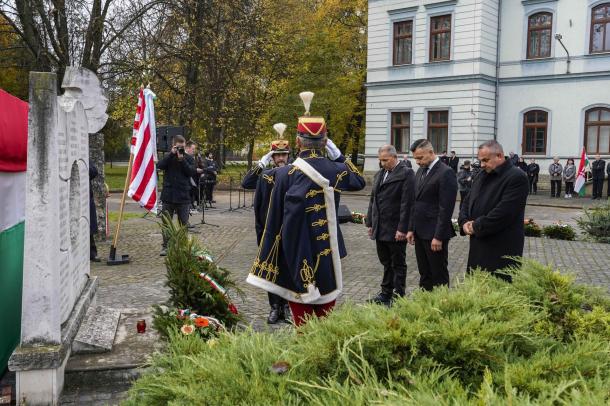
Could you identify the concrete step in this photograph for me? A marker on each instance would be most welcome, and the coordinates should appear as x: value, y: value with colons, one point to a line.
x: 97, y: 331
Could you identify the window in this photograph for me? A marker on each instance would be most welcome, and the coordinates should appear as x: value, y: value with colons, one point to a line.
x: 401, y: 131
x: 539, y: 35
x: 440, y: 38
x: 535, y: 124
x: 600, y: 28
x: 403, y: 43
x: 597, y: 130
x: 438, y: 129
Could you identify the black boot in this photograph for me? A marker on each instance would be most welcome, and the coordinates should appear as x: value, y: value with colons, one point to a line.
x: 274, y: 314
x: 287, y: 314
x: 381, y: 298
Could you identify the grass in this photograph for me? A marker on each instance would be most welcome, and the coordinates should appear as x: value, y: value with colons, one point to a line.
x: 542, y: 340
x: 115, y: 176
x: 113, y: 216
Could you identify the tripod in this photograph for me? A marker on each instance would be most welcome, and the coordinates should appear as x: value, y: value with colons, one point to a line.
x: 203, y: 204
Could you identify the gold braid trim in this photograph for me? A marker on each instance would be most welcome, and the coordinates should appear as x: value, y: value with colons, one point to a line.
x: 315, y: 207
x: 323, y: 237
x: 352, y: 167
x: 307, y: 273
x: 293, y: 170
x: 269, y: 179
x: 340, y: 177
x: 313, y: 193
x: 319, y: 223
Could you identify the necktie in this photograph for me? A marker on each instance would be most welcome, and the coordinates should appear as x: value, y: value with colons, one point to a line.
x: 425, y: 172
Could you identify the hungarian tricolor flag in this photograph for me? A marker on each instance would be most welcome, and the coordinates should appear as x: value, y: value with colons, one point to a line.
x: 13, y: 159
x: 143, y: 181
x: 581, y: 177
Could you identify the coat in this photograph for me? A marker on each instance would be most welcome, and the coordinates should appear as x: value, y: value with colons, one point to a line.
x: 522, y: 166
x: 597, y: 169
x: 454, y: 163
x: 210, y: 171
x: 556, y: 171
x: 297, y: 251
x: 391, y: 202
x: 496, y: 203
x: 569, y: 173
x: 464, y: 179
x: 92, y: 213
x: 434, y: 202
x: 532, y: 172
x: 177, y: 178
x: 261, y: 180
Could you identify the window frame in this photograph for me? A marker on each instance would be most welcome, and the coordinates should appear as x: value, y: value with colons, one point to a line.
x: 549, y: 28
x: 400, y: 126
x: 431, y: 125
x: 597, y: 124
x: 432, y: 33
x: 606, y: 22
x: 396, y: 38
x: 535, y: 125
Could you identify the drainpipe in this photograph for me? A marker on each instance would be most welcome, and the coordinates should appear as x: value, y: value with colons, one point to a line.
x: 559, y: 38
x: 497, y: 70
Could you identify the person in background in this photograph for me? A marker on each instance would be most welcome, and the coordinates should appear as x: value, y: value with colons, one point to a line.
x: 92, y: 215
x: 210, y: 171
x: 569, y: 177
x: 608, y: 189
x: 406, y: 160
x: 533, y: 170
x: 178, y: 168
x: 493, y: 212
x: 522, y: 165
x: 387, y: 221
x: 597, y: 171
x: 464, y: 179
x: 475, y: 168
x: 454, y: 162
x: 444, y: 158
x: 556, y: 174
x: 191, y: 149
x: 430, y: 226
x: 514, y: 158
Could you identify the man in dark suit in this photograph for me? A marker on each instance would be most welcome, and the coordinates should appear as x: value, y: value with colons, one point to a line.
x: 598, y: 167
x: 388, y: 221
x: 492, y: 214
x: 444, y: 158
x: 454, y: 162
x: 430, y: 226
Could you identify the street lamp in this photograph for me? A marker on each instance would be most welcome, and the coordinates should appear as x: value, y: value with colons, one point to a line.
x: 559, y: 38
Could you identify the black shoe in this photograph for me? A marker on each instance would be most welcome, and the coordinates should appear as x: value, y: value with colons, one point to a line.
x: 287, y: 314
x: 381, y: 298
x: 274, y: 314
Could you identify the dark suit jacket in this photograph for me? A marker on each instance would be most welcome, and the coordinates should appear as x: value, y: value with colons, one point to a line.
x: 597, y: 169
x: 434, y: 202
x: 454, y: 163
x: 391, y: 202
x: 496, y: 203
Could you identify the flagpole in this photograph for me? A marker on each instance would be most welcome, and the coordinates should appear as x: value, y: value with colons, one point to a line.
x: 112, y: 260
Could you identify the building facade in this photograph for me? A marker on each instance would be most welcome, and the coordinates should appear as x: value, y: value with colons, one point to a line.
x: 459, y: 72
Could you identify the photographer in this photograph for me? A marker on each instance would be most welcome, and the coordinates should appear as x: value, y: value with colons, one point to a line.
x: 179, y: 168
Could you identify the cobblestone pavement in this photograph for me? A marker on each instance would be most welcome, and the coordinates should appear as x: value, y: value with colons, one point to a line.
x: 136, y: 286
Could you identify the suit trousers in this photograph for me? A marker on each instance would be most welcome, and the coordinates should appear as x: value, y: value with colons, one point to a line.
x: 533, y: 185
x: 276, y: 300
x: 392, y: 255
x: 181, y: 210
x: 433, y: 270
x: 598, y: 187
x: 555, y: 188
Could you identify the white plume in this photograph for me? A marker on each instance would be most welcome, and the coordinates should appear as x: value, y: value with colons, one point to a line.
x: 280, y: 128
x: 306, y: 97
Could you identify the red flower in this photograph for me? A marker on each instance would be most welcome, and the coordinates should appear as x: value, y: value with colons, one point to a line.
x: 201, y: 322
x: 232, y: 308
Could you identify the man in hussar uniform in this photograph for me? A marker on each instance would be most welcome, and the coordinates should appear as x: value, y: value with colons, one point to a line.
x: 261, y: 178
x: 301, y: 246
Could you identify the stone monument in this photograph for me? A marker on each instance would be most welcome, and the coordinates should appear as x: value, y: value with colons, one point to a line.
x: 57, y: 287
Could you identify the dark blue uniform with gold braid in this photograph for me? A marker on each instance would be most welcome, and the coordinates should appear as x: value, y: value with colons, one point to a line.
x: 295, y: 255
x: 261, y: 180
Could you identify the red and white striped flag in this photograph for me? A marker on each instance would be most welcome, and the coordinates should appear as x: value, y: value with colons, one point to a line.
x: 581, y: 176
x: 143, y: 182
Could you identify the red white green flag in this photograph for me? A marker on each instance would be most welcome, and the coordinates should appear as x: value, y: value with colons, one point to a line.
x: 581, y: 177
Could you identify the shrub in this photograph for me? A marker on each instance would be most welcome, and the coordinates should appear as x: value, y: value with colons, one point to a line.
x: 532, y: 229
x: 540, y: 340
x: 596, y: 223
x: 560, y: 232
x: 196, y: 287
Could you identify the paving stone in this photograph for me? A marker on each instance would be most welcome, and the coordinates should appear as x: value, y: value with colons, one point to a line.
x: 96, y: 333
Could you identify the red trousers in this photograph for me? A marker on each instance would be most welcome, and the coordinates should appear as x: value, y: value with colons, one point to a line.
x: 301, y: 311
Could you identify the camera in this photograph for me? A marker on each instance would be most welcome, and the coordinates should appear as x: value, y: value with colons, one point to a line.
x: 181, y: 150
